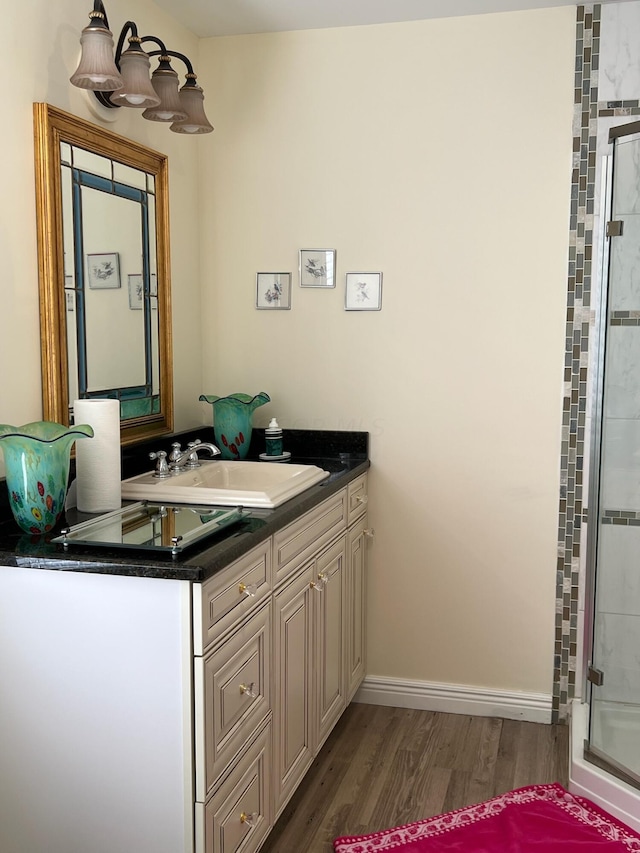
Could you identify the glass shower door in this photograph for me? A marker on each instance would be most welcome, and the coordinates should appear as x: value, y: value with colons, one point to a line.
x: 614, y: 672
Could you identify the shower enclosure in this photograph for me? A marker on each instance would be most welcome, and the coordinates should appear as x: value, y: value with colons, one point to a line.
x: 612, y: 603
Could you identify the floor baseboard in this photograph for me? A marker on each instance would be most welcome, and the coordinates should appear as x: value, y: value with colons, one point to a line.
x: 455, y: 699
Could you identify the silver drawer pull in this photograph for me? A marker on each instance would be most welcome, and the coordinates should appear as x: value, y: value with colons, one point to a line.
x: 249, y: 819
x: 249, y: 590
x: 369, y: 532
x: 249, y: 690
x: 362, y: 499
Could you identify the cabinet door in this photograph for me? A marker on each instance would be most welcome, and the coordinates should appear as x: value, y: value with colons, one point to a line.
x: 328, y: 626
x: 293, y: 745
x: 238, y: 815
x: 355, y: 606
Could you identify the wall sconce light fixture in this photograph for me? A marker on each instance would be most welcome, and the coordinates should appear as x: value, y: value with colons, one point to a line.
x: 124, y: 81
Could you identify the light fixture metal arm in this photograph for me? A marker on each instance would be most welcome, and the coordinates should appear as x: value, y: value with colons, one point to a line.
x: 129, y: 27
x: 174, y: 53
x: 100, y: 12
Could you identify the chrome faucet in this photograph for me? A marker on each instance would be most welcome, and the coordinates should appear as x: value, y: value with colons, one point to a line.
x: 181, y: 460
x: 178, y: 456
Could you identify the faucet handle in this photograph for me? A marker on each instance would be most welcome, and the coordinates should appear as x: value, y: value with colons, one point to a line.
x: 192, y: 459
x: 162, y: 468
x: 176, y: 450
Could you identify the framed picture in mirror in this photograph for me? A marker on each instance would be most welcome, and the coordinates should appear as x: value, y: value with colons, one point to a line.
x: 135, y: 292
x: 103, y: 270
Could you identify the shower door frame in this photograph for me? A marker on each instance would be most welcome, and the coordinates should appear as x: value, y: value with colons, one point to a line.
x: 591, y: 753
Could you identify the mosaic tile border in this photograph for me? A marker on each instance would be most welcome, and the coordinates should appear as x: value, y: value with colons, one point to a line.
x: 576, y: 356
x: 624, y: 318
x: 618, y: 108
x: 624, y: 517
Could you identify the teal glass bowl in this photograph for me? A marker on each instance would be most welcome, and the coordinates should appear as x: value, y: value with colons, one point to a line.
x: 232, y: 425
x: 37, y: 457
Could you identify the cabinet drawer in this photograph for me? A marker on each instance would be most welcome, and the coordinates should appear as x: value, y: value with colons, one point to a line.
x: 227, y: 597
x: 238, y: 816
x: 233, y: 697
x: 309, y: 534
x: 356, y: 498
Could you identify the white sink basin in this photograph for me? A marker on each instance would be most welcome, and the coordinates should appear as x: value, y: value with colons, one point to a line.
x: 227, y: 483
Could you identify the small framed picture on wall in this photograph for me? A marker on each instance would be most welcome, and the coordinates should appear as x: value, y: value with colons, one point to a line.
x: 273, y: 290
x: 363, y: 291
x: 317, y: 267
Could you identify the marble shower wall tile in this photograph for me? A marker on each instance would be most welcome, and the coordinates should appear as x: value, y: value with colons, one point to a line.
x: 627, y: 168
x: 617, y: 654
x: 619, y: 73
x: 625, y: 264
x: 620, y: 478
x: 622, y: 394
x: 619, y: 585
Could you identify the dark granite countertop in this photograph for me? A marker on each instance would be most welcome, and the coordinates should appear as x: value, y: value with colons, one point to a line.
x: 343, y: 454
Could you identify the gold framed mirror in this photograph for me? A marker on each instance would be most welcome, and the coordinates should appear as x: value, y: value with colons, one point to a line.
x: 102, y: 213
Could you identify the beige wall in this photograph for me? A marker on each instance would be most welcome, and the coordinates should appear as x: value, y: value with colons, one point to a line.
x: 438, y: 152
x: 40, y: 52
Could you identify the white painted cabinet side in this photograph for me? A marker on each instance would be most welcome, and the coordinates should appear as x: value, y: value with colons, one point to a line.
x: 94, y: 683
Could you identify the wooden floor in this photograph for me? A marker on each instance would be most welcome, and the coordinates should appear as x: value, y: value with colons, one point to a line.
x: 383, y: 767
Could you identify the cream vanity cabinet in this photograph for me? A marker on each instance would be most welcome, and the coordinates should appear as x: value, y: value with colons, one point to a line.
x: 279, y: 641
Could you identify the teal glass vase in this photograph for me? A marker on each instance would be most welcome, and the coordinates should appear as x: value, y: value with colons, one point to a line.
x: 37, y: 458
x: 232, y: 421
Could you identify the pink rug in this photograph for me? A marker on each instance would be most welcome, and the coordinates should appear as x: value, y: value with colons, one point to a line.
x: 536, y: 819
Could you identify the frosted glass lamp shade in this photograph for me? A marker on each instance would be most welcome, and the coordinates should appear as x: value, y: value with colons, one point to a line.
x: 97, y: 69
x: 191, y: 98
x: 165, y: 84
x: 137, y: 90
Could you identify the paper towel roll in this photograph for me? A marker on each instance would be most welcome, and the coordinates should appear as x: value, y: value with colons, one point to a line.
x: 98, y: 465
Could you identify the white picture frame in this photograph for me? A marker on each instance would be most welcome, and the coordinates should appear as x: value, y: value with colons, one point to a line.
x: 103, y: 271
x: 317, y: 267
x: 363, y: 291
x: 273, y: 291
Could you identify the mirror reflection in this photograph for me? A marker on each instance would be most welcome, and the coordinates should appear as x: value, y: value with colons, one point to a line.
x: 104, y: 275
x: 110, y: 285
x: 147, y: 526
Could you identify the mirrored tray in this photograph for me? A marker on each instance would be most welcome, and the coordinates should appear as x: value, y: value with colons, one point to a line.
x: 151, y: 527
